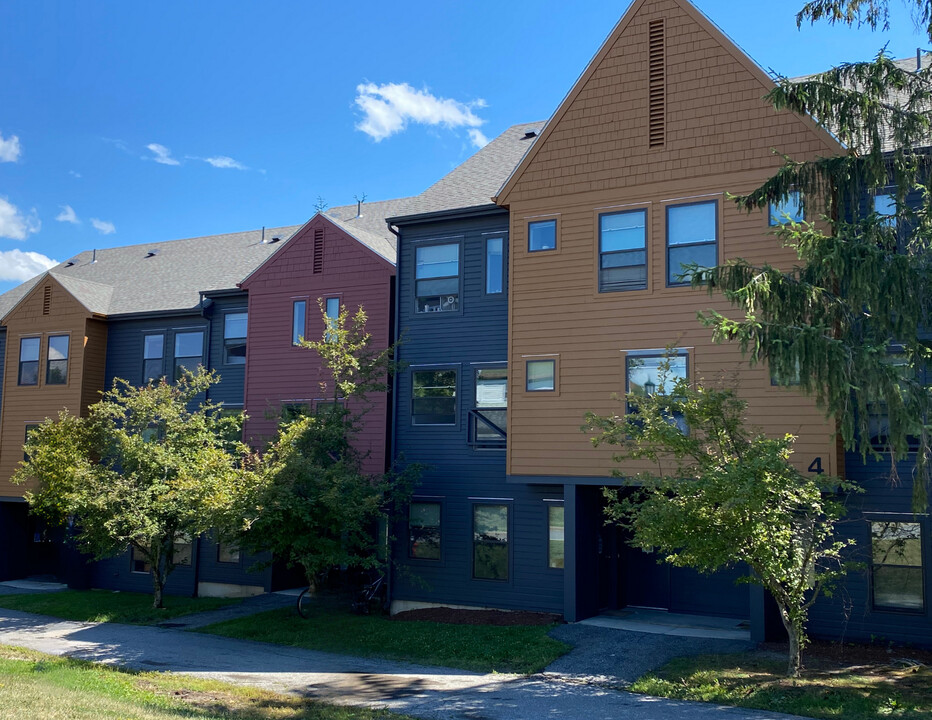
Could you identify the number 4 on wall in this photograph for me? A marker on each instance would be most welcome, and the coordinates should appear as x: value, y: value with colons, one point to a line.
x: 816, y: 466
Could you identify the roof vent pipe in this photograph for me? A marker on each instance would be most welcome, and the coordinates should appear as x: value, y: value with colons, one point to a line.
x: 94, y: 256
x: 262, y: 241
x: 359, y: 202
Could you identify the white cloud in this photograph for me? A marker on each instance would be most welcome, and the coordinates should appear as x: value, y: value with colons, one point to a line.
x: 478, y: 137
x: 74, y: 174
x: 390, y: 107
x: 104, y: 227
x: 162, y: 154
x: 68, y: 215
x: 222, y: 161
x: 15, y: 225
x: 18, y: 265
x: 10, y: 149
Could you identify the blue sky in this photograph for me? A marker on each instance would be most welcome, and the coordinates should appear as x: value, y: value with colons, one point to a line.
x: 125, y: 122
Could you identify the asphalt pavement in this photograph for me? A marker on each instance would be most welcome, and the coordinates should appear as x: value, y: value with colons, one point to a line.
x: 426, y: 692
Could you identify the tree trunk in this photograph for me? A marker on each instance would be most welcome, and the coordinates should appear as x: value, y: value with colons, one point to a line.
x: 158, y: 584
x: 795, y: 635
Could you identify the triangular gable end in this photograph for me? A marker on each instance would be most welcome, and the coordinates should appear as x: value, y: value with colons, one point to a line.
x: 38, y: 293
x: 611, y: 102
x: 292, y: 245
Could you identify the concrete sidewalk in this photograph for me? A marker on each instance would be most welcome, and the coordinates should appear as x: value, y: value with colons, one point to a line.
x: 427, y: 692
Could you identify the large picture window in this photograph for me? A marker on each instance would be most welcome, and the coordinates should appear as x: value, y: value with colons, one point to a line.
x: 153, y: 349
x: 433, y: 397
x: 437, y: 278
x: 896, y: 565
x: 234, y: 338
x: 56, y: 362
x: 623, y: 251
x: 490, y: 542
x: 424, y: 530
x: 647, y: 375
x: 189, y: 351
x: 28, y: 361
x: 692, y: 238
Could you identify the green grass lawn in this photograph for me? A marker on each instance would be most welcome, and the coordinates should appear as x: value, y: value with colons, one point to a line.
x: 44, y: 687
x: 109, y: 606
x: 482, y: 648
x: 860, y: 692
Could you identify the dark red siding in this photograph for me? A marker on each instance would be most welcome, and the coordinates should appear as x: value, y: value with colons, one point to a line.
x: 276, y: 371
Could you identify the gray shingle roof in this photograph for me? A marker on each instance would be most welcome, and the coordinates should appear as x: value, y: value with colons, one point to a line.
x: 128, y: 279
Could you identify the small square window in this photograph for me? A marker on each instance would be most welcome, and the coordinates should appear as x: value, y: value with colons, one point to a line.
x: 541, y: 375
x: 234, y: 338
x: 692, y: 238
x: 623, y: 251
x: 788, y: 210
x: 433, y: 397
x: 885, y: 207
x: 897, y: 566
x: 424, y: 530
x: 437, y: 278
x: 298, y: 321
x: 490, y: 542
x: 542, y: 235
x: 228, y: 552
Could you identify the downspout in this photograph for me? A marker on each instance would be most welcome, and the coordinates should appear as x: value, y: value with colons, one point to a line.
x: 393, y: 435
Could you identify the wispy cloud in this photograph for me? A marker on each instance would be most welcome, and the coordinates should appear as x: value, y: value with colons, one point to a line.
x: 222, y: 161
x: 118, y: 144
x: 387, y: 110
x: 10, y: 149
x: 103, y: 227
x: 68, y: 215
x: 18, y: 265
x: 14, y: 224
x: 74, y: 174
x: 161, y: 154
x: 478, y: 137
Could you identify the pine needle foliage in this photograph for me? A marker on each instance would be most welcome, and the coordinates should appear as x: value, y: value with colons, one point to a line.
x: 862, y: 289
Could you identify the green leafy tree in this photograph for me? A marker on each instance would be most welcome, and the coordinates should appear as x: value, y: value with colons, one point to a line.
x: 863, y: 287
x: 145, y: 469
x: 316, y: 507
x: 721, y: 495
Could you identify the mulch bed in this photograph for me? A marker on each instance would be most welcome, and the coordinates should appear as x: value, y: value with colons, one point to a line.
x: 500, y: 618
x: 851, y: 654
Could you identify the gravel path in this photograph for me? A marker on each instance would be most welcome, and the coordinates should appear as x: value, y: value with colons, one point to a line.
x: 427, y: 692
x: 616, y: 658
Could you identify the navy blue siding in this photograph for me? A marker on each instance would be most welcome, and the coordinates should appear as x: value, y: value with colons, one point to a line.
x: 125, y: 339
x: 457, y: 474
x: 229, y: 390
x: 848, y: 614
x: 211, y: 570
x: 117, y: 574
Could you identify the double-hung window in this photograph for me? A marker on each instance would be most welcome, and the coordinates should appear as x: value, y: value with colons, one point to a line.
x: 29, y: 361
x: 234, y: 338
x: 488, y: 419
x: 433, y: 397
x: 692, y: 239
x: 298, y: 321
x: 623, y: 251
x: 490, y: 542
x: 878, y: 418
x: 153, y: 350
x: 424, y: 530
x: 56, y: 362
x: 189, y: 351
x: 788, y: 210
x: 897, y: 566
x: 437, y: 278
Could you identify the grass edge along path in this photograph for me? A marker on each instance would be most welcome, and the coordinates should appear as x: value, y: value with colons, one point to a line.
x: 36, y: 685
x: 521, y: 649
x: 109, y: 606
x: 825, y: 690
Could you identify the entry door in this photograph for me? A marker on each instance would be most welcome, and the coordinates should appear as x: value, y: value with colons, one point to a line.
x: 647, y: 582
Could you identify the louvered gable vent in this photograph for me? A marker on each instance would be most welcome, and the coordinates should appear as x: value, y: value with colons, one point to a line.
x: 657, y: 85
x: 318, y: 250
x: 47, y: 300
